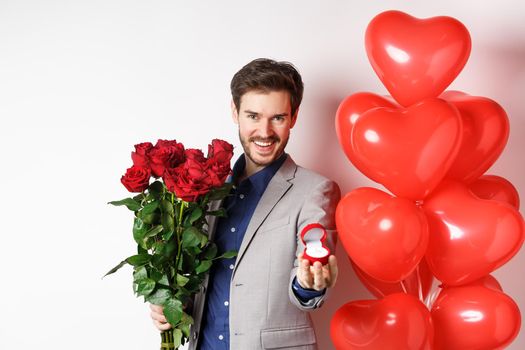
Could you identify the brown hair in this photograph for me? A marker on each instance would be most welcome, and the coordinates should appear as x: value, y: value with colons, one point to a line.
x: 267, y: 75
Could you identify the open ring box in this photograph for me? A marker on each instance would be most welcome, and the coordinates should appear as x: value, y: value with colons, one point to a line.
x: 314, y: 237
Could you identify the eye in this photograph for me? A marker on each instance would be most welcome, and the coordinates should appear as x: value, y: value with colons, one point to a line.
x: 252, y: 116
x: 278, y: 118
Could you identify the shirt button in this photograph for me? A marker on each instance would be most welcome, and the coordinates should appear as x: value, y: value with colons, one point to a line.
x: 241, y: 196
x: 221, y: 337
x: 232, y: 229
x: 232, y: 267
x: 226, y: 303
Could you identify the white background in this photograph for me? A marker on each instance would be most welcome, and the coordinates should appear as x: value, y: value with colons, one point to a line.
x: 82, y: 81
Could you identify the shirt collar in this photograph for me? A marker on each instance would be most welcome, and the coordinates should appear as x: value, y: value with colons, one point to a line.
x: 260, y: 179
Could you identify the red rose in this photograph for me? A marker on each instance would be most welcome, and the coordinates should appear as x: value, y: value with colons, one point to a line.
x: 165, y: 154
x: 140, y: 156
x: 218, y: 172
x: 220, y: 150
x: 195, y: 154
x: 136, y: 178
x: 219, y: 155
x: 189, y: 180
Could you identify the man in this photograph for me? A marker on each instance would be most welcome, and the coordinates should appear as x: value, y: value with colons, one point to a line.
x: 259, y: 299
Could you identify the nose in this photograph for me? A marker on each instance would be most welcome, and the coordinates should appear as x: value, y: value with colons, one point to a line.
x: 265, y: 128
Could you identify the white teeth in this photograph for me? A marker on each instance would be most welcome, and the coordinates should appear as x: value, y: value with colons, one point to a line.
x: 262, y: 144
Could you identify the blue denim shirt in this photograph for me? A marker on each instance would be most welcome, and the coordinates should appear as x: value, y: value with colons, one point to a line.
x: 240, y: 206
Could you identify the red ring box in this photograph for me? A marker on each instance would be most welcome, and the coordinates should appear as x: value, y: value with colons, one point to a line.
x: 313, y: 237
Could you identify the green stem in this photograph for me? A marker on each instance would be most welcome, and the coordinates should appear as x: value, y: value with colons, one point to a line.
x: 183, y: 204
x: 167, y: 342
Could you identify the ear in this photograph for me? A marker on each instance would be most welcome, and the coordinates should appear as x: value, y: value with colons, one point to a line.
x: 235, y: 114
x: 294, y: 118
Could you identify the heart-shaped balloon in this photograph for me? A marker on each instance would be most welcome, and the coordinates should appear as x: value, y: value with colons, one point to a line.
x: 469, y: 237
x: 410, y: 150
x: 416, y: 58
x: 418, y: 283
x: 397, y: 322
x: 474, y: 317
x: 496, y: 188
x: 485, y: 134
x: 384, y: 235
x: 350, y: 109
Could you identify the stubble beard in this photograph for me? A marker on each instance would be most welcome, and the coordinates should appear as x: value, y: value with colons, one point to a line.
x: 246, y: 147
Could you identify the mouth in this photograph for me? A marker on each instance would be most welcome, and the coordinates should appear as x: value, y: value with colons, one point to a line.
x: 264, y: 146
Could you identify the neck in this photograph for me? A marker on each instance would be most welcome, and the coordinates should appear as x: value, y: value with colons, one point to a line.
x: 252, y: 168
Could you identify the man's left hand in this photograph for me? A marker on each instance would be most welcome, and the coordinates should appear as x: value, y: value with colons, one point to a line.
x: 317, y: 276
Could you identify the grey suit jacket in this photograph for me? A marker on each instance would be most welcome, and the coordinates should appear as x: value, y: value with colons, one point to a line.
x: 264, y: 311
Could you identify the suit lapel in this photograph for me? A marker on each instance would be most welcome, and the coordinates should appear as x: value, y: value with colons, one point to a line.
x: 276, y: 189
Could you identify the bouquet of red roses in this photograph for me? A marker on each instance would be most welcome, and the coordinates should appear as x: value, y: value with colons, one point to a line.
x: 170, y: 223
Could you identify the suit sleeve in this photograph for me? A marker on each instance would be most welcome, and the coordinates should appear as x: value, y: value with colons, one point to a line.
x: 319, y: 206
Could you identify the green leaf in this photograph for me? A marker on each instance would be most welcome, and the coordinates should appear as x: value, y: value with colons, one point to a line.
x: 169, y: 249
x: 159, y: 297
x: 185, y: 323
x: 210, y: 252
x: 150, y: 208
x: 141, y: 250
x: 182, y: 280
x: 152, y: 218
x: 191, y: 237
x: 164, y: 280
x: 139, y: 197
x: 153, y: 231
x: 145, y: 286
x: 221, y: 192
x: 167, y: 207
x: 203, y: 266
x: 196, y: 214
x: 204, y: 240
x: 173, y: 311
x: 227, y: 255
x: 130, y: 203
x: 168, y: 224
x: 116, y: 268
x: 140, y: 273
x: 139, y: 230
x: 177, y: 337
x: 158, y: 260
x: 138, y: 260
x: 156, y: 189
x: 221, y: 212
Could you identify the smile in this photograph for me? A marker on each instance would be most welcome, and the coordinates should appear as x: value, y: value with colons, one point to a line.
x: 264, y: 144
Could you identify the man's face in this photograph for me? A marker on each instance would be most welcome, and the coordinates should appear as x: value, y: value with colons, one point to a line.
x: 264, y: 121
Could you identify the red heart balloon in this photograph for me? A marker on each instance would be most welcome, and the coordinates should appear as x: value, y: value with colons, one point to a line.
x: 417, y: 284
x: 416, y: 58
x: 410, y: 150
x: 474, y: 317
x: 397, y: 322
x: 350, y: 109
x: 469, y: 237
x: 384, y: 235
x: 485, y: 133
x: 496, y: 188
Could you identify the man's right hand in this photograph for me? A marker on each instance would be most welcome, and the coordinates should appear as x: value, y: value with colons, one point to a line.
x: 157, y: 314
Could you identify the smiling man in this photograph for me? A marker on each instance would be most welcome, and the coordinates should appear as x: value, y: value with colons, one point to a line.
x: 260, y: 299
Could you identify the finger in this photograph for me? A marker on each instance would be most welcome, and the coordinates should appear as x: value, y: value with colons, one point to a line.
x: 319, y: 282
x: 303, y: 274
x: 157, y: 308
x: 334, y: 270
x: 158, y: 317
x: 161, y: 326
